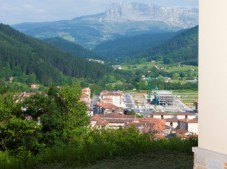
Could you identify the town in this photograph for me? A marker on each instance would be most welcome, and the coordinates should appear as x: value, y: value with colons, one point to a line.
x: 161, y: 113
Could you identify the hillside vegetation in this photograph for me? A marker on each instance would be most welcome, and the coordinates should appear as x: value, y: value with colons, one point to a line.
x: 72, y: 48
x: 131, y: 46
x: 31, y: 60
x: 182, y: 48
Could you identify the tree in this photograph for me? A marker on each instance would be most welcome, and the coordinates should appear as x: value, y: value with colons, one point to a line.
x: 175, y: 76
x: 76, y: 116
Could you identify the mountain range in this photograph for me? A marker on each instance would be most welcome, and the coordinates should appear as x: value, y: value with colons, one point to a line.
x: 120, y: 19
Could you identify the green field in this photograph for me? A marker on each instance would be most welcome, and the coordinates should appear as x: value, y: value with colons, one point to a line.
x: 168, y: 68
x: 187, y: 96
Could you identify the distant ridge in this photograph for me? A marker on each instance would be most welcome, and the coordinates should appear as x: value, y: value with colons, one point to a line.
x: 131, y: 46
x: 120, y: 19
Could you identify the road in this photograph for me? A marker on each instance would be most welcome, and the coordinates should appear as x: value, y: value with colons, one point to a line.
x: 129, y: 101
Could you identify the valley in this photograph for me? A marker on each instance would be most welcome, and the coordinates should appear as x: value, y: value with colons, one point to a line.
x: 113, y: 89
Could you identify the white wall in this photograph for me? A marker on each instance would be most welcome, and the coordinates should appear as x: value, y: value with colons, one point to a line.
x: 193, y: 127
x: 191, y: 117
x: 175, y: 124
x: 164, y: 116
x: 213, y: 75
x: 180, y: 117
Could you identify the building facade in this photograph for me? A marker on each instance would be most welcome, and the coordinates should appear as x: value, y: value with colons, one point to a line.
x: 211, y: 152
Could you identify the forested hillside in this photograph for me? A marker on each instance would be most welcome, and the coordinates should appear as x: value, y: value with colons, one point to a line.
x: 31, y: 60
x: 131, y: 46
x: 72, y: 48
x: 182, y: 48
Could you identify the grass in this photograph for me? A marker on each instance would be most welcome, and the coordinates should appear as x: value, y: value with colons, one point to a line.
x: 141, y: 161
x: 176, y: 68
x: 187, y: 96
x: 110, y: 149
x: 171, y: 68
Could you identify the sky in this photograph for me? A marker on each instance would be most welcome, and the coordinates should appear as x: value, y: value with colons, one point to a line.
x: 18, y: 11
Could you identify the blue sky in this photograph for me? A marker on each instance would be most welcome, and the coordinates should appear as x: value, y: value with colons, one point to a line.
x: 18, y: 11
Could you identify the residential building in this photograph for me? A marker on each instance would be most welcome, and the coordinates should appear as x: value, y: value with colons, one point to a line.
x: 86, y: 97
x: 162, y: 115
x: 185, y: 115
x: 172, y: 122
x: 190, y: 125
x: 107, y: 108
x: 115, y: 98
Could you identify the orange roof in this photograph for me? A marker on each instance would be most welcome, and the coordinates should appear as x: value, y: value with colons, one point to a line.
x: 109, y: 93
x: 189, y: 121
x: 106, y: 99
x: 172, y: 120
x: 116, y: 116
x: 99, y: 120
x: 107, y: 105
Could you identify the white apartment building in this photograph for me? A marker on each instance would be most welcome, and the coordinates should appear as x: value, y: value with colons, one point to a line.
x: 115, y: 98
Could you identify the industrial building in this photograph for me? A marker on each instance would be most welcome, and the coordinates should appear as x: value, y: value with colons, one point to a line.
x: 164, y: 98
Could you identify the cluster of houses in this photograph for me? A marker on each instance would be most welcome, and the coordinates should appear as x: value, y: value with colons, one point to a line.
x: 181, y: 124
x: 109, y: 114
x: 161, y: 124
x: 117, y: 121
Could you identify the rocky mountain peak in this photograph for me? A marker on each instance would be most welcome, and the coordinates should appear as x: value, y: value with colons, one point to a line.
x: 173, y: 16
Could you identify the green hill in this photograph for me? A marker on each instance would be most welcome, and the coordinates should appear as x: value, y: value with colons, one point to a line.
x: 72, y: 48
x: 31, y: 60
x: 182, y: 48
x: 127, y: 47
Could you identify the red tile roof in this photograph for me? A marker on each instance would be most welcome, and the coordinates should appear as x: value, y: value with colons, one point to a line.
x: 117, y: 116
x: 172, y: 120
x: 189, y: 121
x: 107, y: 105
x: 99, y: 120
x: 109, y: 93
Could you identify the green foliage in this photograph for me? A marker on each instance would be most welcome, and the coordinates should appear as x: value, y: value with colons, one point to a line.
x: 46, y: 120
x: 72, y: 48
x: 31, y: 60
x: 94, y: 146
x: 181, y: 48
x: 126, y: 47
